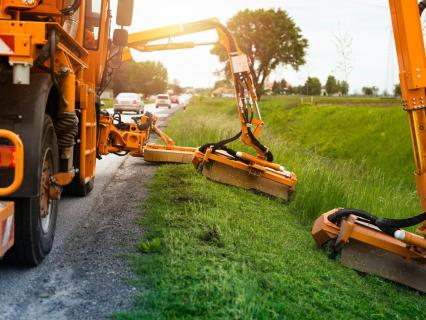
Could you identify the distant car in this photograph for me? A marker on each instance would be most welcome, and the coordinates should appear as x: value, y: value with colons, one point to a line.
x: 174, y: 99
x: 128, y: 101
x: 163, y: 100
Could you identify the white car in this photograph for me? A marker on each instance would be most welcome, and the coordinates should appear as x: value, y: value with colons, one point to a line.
x: 129, y: 101
x: 163, y: 100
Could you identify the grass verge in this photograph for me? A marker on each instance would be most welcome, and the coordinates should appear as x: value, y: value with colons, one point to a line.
x: 218, y: 252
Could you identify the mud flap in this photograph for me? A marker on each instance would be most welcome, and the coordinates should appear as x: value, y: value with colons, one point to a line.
x: 368, y: 259
x: 222, y: 173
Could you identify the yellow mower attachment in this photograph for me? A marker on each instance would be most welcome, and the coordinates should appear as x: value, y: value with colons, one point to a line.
x: 245, y: 171
x: 169, y: 153
x: 375, y: 245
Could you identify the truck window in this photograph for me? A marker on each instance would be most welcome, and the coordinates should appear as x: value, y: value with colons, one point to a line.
x: 92, y: 24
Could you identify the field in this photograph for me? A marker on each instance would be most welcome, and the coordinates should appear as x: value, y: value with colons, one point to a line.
x: 214, y: 252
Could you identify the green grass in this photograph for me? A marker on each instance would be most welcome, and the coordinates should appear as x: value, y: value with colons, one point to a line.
x: 337, y: 150
x: 108, y: 103
x: 227, y: 253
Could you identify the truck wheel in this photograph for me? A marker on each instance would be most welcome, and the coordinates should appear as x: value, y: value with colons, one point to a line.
x: 35, y: 222
x: 76, y: 188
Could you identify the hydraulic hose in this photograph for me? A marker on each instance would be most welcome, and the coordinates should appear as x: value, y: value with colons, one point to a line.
x: 388, y: 226
x: 147, y: 124
x: 269, y: 155
x: 71, y: 8
x: 220, y: 144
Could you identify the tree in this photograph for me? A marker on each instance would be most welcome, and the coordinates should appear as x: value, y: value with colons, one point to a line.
x: 269, y: 38
x: 397, y: 90
x: 280, y: 87
x: 175, y: 87
x: 276, y: 88
x: 284, y: 86
x: 146, y: 77
x: 296, y: 90
x: 312, y: 86
x: 331, y: 85
x: 343, y: 87
x: 370, y: 91
x: 222, y: 84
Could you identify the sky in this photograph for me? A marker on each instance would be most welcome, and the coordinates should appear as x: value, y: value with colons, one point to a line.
x: 366, y: 22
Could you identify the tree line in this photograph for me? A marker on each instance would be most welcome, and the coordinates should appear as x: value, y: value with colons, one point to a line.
x: 312, y: 86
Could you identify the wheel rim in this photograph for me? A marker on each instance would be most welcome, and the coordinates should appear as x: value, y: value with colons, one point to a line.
x: 46, y: 204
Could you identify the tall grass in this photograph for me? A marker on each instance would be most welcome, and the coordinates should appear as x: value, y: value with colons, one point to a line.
x: 354, y: 168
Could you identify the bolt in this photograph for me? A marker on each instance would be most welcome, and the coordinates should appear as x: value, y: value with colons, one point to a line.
x: 64, y: 70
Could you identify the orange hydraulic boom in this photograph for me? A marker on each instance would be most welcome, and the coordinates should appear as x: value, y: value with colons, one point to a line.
x: 377, y: 245
x: 215, y: 160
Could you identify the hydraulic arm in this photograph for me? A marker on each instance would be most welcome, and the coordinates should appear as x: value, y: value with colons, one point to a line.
x: 377, y: 245
x: 216, y: 160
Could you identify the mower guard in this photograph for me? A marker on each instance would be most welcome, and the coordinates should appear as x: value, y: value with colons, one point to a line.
x: 221, y: 167
x: 367, y: 249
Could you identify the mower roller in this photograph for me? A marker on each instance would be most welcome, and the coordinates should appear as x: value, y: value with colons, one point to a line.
x: 168, y: 153
x: 376, y: 245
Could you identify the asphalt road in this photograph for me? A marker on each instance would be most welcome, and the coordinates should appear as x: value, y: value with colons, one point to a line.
x: 84, y: 277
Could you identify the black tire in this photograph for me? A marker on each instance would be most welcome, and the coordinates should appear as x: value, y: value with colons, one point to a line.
x: 33, y: 238
x: 76, y: 188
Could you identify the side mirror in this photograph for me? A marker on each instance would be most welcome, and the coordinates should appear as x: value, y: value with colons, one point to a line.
x: 124, y: 12
x: 120, y: 37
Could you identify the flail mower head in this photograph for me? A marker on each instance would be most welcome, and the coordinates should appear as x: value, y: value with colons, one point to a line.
x: 374, y: 245
x: 245, y: 171
x: 220, y: 163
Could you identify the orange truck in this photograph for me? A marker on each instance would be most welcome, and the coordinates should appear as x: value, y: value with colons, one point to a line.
x: 56, y: 57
